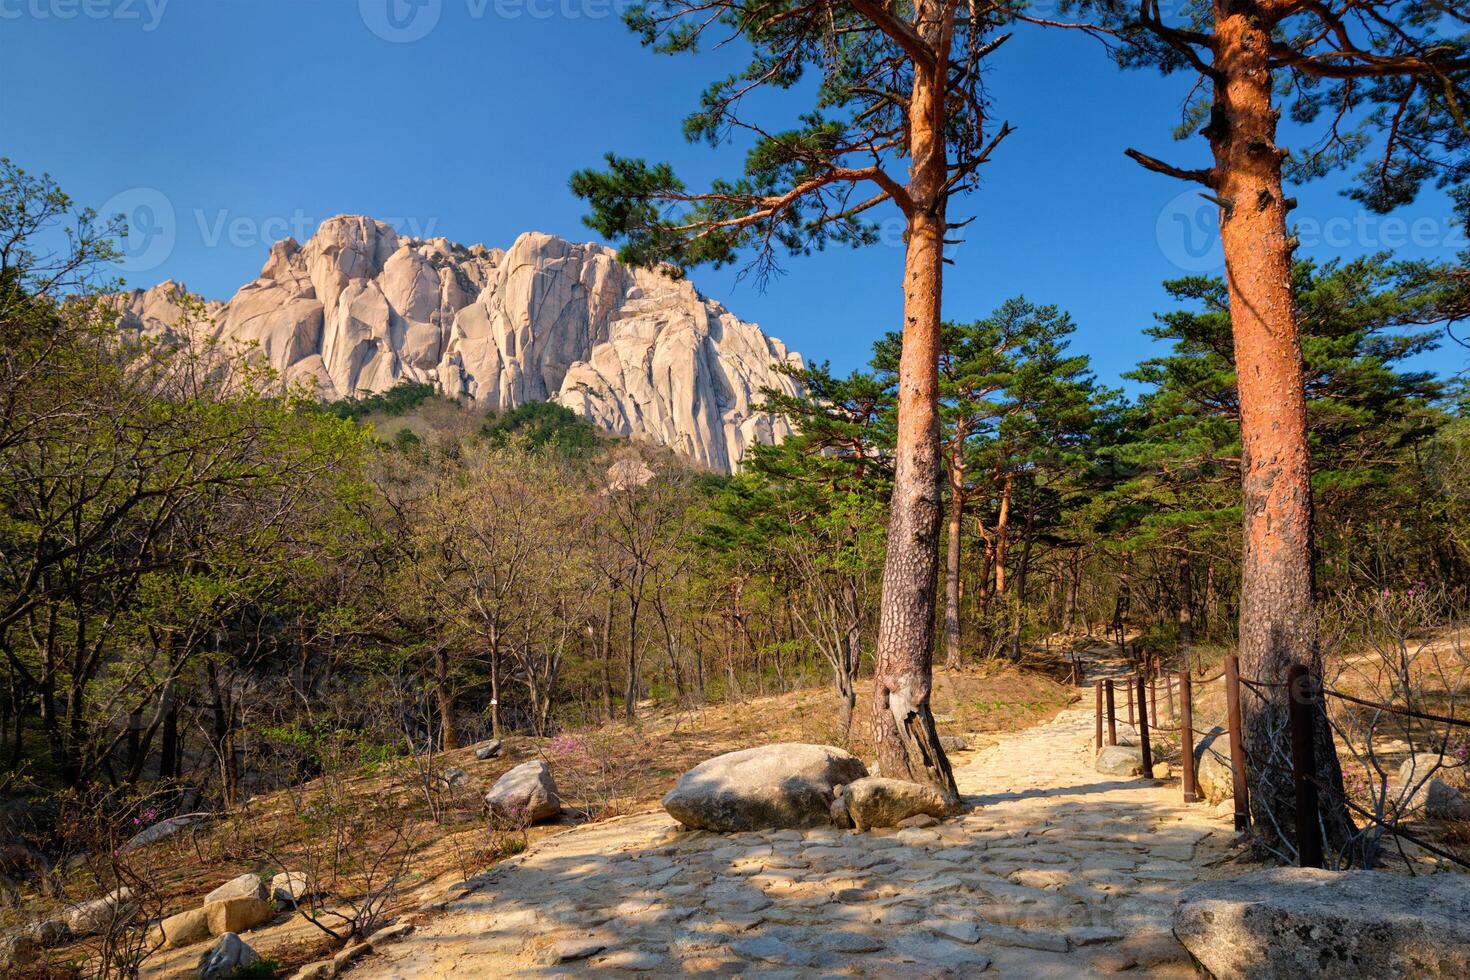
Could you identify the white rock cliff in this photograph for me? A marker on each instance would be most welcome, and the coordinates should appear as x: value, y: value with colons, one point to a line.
x: 359, y: 309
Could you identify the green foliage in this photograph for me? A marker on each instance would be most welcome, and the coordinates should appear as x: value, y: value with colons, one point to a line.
x: 401, y: 399
x: 544, y: 427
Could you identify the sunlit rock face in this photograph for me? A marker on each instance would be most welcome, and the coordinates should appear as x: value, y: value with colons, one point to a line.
x: 359, y: 309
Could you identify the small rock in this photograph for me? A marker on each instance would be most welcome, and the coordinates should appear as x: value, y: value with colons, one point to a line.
x: 918, y: 822
x: 954, y: 743
x: 489, y: 750
x: 1162, y: 770
x: 1120, y: 760
x: 876, y: 801
x: 246, y: 885
x: 838, y: 809
x: 571, y: 950
x: 226, y: 958
x: 960, y: 931
x: 319, y: 970
x: 526, y: 793
x: 454, y: 776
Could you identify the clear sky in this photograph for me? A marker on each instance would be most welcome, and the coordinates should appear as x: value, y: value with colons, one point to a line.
x: 222, y: 125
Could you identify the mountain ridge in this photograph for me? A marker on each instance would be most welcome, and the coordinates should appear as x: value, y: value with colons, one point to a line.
x: 358, y: 309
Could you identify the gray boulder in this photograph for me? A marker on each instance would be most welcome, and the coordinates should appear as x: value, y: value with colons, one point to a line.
x: 1120, y: 760
x: 954, y: 743
x: 772, y: 786
x: 878, y: 802
x: 1290, y: 922
x: 489, y: 750
x: 226, y: 958
x: 1212, y: 773
x: 526, y: 794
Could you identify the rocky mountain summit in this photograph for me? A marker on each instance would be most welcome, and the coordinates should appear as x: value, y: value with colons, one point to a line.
x: 359, y: 309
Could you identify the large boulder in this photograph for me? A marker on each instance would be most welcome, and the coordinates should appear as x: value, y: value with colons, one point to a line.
x: 1212, y: 773
x: 526, y: 794
x: 227, y: 958
x: 1120, y: 760
x: 875, y: 801
x: 1286, y: 922
x: 784, y: 785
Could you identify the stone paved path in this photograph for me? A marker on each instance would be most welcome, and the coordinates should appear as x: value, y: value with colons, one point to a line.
x: 1055, y: 871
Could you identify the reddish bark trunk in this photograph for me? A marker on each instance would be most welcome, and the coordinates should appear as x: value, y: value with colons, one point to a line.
x: 1278, y: 625
x: 903, y: 724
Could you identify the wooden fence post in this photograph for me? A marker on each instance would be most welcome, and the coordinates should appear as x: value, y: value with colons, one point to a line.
x: 1112, y: 713
x: 1186, y: 737
x: 1097, y: 687
x: 1148, y: 757
x: 1237, y: 742
x: 1301, y: 692
x: 1128, y: 690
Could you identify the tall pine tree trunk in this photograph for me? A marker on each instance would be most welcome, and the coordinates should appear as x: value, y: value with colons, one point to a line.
x: 1278, y: 625
x: 903, y: 724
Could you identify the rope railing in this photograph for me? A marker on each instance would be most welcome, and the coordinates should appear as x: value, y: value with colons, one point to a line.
x: 1303, y: 690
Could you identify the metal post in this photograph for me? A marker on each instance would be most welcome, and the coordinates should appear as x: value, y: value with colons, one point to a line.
x: 1237, y: 742
x: 1112, y: 713
x: 1301, y: 689
x: 1186, y: 737
x: 1148, y: 757
x: 1097, y: 687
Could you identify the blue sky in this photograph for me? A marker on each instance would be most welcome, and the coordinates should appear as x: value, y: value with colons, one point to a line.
x: 231, y: 123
